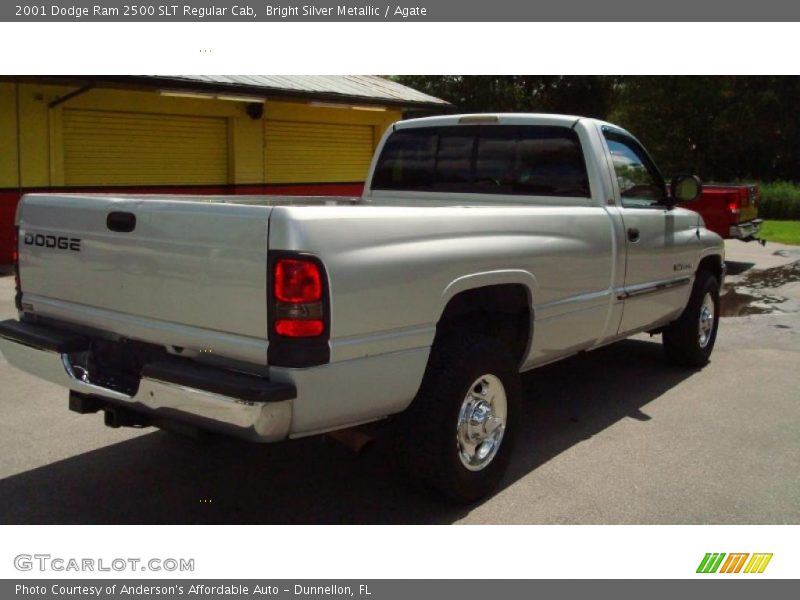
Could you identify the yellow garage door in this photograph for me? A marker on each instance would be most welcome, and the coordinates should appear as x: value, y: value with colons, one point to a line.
x: 118, y: 148
x: 316, y: 152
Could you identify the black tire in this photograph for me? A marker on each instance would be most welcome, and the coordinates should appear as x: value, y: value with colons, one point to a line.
x: 682, y: 339
x: 427, y: 432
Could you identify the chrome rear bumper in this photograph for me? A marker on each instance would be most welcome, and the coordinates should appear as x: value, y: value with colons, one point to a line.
x: 255, y: 420
x: 746, y: 231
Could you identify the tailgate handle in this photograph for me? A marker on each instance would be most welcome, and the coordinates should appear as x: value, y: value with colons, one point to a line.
x: 123, y: 222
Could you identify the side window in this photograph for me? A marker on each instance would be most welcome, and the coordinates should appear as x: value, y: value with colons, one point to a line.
x: 492, y: 159
x: 640, y: 184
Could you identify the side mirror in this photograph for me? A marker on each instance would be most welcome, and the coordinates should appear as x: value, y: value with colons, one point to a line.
x: 685, y: 188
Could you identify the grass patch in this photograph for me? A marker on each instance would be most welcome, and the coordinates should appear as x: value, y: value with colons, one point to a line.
x: 780, y: 200
x: 782, y: 232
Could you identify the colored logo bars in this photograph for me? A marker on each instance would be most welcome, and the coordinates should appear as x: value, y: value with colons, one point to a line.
x: 733, y: 563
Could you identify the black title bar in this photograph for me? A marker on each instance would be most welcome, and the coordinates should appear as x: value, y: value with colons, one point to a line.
x: 418, y: 11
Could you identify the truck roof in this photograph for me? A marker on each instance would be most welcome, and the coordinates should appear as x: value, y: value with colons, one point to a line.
x: 489, y: 118
x: 501, y: 119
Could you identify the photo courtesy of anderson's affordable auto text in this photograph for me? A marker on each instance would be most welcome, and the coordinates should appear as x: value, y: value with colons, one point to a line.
x: 72, y: 590
x: 256, y: 316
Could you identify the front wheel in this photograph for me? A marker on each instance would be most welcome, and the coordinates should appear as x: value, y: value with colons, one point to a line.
x: 689, y: 341
x: 458, y: 433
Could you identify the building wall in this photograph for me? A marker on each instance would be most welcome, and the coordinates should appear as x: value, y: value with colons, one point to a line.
x: 9, y: 168
x: 295, y: 148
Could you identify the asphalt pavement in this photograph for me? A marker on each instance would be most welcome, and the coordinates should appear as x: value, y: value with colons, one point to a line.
x: 611, y: 436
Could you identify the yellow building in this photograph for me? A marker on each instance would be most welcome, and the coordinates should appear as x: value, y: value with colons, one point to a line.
x: 193, y: 134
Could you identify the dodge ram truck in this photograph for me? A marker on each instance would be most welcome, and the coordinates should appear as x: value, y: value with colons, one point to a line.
x: 483, y: 246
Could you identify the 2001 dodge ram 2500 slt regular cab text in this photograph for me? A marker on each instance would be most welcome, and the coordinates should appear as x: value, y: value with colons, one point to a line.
x: 483, y: 246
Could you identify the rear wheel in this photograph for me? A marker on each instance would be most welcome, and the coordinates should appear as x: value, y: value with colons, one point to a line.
x: 689, y: 341
x: 457, y: 435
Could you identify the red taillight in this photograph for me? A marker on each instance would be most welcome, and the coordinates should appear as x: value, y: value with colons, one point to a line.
x: 15, y: 249
x: 733, y: 206
x: 299, y: 328
x: 298, y: 298
x: 297, y: 281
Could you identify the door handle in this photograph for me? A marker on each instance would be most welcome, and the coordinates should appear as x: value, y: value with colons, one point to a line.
x: 123, y: 222
x: 633, y: 234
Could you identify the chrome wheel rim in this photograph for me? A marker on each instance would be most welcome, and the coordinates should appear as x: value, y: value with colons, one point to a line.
x: 706, y: 325
x: 482, y: 422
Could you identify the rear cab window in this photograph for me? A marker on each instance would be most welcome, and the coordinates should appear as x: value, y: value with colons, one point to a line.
x: 535, y: 160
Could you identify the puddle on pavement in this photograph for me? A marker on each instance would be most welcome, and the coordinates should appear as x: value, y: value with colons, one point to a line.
x: 750, y: 295
x: 771, y: 278
x: 787, y: 253
x: 733, y: 303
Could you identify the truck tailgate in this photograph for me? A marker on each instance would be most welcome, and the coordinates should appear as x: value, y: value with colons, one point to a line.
x: 192, y: 272
x: 751, y: 198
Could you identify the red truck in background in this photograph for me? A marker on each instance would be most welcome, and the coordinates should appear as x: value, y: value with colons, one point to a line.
x: 731, y: 210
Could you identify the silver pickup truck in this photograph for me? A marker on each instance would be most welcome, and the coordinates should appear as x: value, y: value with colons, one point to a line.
x: 483, y: 246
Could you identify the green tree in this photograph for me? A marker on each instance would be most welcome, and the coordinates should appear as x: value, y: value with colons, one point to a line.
x: 719, y: 127
x: 587, y: 95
